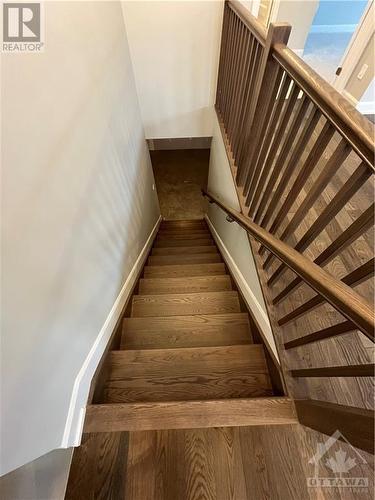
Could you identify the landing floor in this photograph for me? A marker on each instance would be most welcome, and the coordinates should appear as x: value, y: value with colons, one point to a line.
x: 180, y: 176
x: 246, y: 463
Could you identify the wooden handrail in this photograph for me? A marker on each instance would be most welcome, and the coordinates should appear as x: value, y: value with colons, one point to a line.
x: 251, y: 22
x: 357, y: 130
x: 349, y: 303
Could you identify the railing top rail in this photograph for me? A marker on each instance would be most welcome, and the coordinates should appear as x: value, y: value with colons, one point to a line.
x: 339, y: 295
x: 357, y: 129
x: 251, y: 22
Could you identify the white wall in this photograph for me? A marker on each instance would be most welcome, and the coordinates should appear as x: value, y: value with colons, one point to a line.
x: 42, y: 479
x: 77, y: 209
x: 300, y: 14
x: 174, y: 47
x: 232, y: 239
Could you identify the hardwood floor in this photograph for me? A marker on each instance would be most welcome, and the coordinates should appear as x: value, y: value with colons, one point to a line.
x: 186, y: 384
x: 193, y: 390
x: 240, y: 463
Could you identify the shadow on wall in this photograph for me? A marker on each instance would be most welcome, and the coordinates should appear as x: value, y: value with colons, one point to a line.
x: 78, y: 207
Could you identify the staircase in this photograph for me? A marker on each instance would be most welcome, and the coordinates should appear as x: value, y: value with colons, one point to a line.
x: 187, y: 357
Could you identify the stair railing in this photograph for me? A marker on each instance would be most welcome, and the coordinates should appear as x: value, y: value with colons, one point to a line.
x: 303, y: 161
x: 357, y: 423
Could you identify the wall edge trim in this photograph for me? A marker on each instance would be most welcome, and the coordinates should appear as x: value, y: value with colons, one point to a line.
x: 76, y: 413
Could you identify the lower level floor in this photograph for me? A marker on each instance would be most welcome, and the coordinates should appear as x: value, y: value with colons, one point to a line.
x: 239, y: 463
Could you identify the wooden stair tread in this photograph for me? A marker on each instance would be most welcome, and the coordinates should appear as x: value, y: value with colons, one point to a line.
x: 183, y: 242
x: 186, y: 331
x: 185, y: 374
x: 176, y: 304
x: 184, y: 250
x: 194, y: 324
x: 182, y: 235
x: 231, y: 383
x: 177, y: 270
x: 183, y: 223
x: 160, y: 362
x: 185, y: 285
x: 189, y: 414
x: 201, y: 258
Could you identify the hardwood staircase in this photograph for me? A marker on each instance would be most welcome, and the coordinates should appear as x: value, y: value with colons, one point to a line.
x: 187, y: 357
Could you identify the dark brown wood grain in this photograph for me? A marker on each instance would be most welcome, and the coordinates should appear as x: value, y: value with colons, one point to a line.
x: 355, y: 424
x: 325, y: 333
x: 336, y: 371
x: 357, y: 130
x: 341, y: 296
x: 190, y: 414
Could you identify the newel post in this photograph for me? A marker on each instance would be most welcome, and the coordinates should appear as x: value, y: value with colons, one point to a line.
x: 260, y: 108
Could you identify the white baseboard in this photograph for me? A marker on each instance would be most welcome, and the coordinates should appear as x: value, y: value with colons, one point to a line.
x: 77, y: 408
x: 248, y: 295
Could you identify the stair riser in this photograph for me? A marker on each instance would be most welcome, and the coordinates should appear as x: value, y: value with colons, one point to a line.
x: 124, y: 364
x: 184, y: 242
x: 167, y: 260
x: 184, y: 250
x: 202, y: 235
x: 185, y: 285
x: 178, y: 271
x: 185, y: 306
x: 211, y: 337
x: 189, y: 415
x: 184, y: 234
x: 190, y: 387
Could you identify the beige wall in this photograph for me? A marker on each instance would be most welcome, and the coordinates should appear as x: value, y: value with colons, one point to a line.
x: 78, y: 206
x: 175, y: 48
x: 355, y: 87
x: 42, y: 479
x: 300, y: 14
x: 233, y: 237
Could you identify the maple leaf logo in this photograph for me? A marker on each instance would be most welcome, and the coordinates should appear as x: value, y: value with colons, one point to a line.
x: 340, y: 464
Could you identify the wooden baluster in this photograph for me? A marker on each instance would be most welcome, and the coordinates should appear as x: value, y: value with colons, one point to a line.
x: 247, y: 93
x: 227, y: 71
x: 266, y: 79
x: 223, y: 58
x: 354, y: 278
x: 332, y: 166
x: 289, y: 169
x: 366, y: 370
x: 246, y: 124
x: 315, y: 154
x: 239, y: 104
x: 277, y: 104
x: 345, y: 300
x: 252, y: 180
x: 238, y: 64
x: 272, y: 160
x: 352, y: 233
x: 232, y: 70
x: 277, y: 138
x: 325, y: 333
x: 233, y: 89
x: 352, y: 185
x: 337, y: 159
x: 280, y: 161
